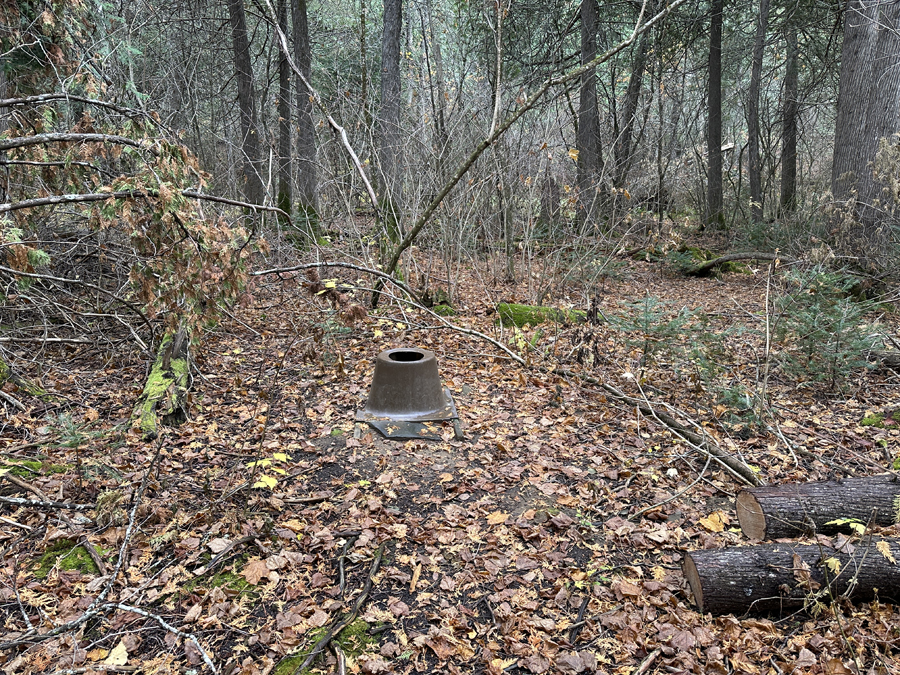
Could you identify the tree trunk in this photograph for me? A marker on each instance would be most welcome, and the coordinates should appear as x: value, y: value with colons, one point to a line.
x: 306, y: 131
x: 164, y: 399
x: 254, y: 191
x: 755, y: 164
x: 868, y: 109
x: 775, y: 578
x: 587, y: 139
x: 389, y: 115
x: 821, y: 507
x: 284, y: 200
x: 438, y: 102
x: 714, y: 213
x: 789, y: 124
x: 629, y: 111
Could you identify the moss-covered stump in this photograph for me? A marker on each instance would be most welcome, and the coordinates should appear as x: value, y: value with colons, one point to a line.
x: 164, y: 399
x: 8, y: 375
x: 512, y: 314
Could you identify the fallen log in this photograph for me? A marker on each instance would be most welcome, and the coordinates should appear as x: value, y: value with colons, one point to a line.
x: 164, y: 399
x: 774, y: 578
x: 7, y: 374
x: 823, y: 507
x: 705, y: 268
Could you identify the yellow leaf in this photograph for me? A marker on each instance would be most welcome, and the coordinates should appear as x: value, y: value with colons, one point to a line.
x: 377, y: 333
x: 626, y: 193
x: 885, y: 550
x: 573, y: 154
x: 834, y: 565
x: 265, y: 481
x: 714, y: 522
x: 98, y: 654
x: 280, y: 456
x: 503, y: 664
x: 497, y: 517
x: 400, y: 326
x: 118, y: 656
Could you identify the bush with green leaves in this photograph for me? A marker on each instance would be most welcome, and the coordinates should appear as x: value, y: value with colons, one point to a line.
x: 822, y: 329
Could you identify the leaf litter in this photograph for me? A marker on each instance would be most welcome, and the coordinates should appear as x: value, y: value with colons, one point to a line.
x: 514, y: 550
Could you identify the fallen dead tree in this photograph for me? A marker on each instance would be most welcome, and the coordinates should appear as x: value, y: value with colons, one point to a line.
x: 825, y: 507
x: 773, y: 578
x: 704, y: 269
x: 164, y: 399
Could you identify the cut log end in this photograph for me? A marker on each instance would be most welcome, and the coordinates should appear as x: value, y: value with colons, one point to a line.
x: 750, y: 515
x: 689, y: 570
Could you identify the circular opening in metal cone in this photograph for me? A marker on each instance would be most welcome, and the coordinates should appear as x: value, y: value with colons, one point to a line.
x: 406, y: 356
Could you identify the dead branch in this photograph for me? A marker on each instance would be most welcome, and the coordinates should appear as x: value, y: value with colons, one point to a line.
x: 702, y: 444
x: 127, y: 194
x: 37, y: 504
x: 41, y: 139
x: 403, y: 287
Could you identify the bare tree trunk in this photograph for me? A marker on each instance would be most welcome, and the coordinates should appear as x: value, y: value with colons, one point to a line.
x: 789, y: 128
x: 868, y: 104
x: 254, y: 191
x: 755, y: 164
x: 587, y: 140
x: 284, y: 200
x: 389, y: 114
x: 629, y: 112
x: 714, y: 212
x: 306, y: 131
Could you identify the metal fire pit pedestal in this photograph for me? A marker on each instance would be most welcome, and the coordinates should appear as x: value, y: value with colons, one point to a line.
x: 406, y: 399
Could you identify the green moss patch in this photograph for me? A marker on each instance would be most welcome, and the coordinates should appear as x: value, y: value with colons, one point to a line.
x: 881, y: 420
x: 66, y: 555
x: 512, y: 314
x: 443, y: 310
x: 30, y: 467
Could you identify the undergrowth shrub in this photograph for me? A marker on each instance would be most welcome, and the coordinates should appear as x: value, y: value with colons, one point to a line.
x: 821, y: 328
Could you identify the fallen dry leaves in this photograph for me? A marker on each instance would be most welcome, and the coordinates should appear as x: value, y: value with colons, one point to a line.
x: 510, y: 551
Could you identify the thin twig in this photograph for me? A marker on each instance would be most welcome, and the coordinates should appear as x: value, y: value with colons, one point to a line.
x: 162, y: 622
x: 647, y: 663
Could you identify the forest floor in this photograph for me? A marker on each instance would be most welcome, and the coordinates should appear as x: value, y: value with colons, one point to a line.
x: 549, y: 540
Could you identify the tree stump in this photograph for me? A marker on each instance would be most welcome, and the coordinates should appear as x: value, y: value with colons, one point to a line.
x: 773, y: 578
x: 789, y: 510
x: 164, y: 399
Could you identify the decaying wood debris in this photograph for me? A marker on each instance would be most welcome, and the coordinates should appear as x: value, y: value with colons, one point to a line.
x: 164, y: 399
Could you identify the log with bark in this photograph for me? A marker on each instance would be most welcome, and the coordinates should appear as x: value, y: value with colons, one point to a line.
x: 824, y: 507
x: 704, y: 269
x: 164, y: 399
x: 773, y: 578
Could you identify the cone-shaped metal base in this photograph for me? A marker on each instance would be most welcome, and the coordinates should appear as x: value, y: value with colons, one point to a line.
x: 406, y: 391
